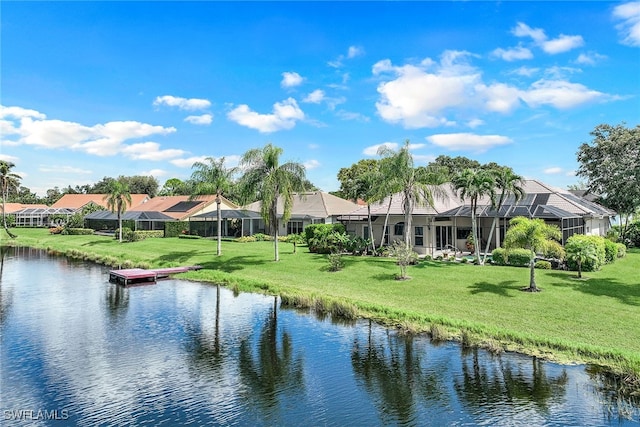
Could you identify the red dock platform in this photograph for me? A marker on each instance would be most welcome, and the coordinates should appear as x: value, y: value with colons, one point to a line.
x: 129, y: 276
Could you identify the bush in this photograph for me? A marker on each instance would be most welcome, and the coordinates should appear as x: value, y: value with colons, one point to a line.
x: 519, y: 257
x: 598, y: 245
x: 622, y: 250
x: 188, y: 236
x: 146, y: 234
x: 610, y: 251
x: 175, y: 228
x: 260, y: 237
x: 499, y: 256
x: 313, y: 230
x: 335, y: 262
x: 326, y: 238
x: 464, y: 260
x: 56, y: 230
x: 79, y: 231
x: 404, y: 255
x: 544, y: 265
x: 246, y: 239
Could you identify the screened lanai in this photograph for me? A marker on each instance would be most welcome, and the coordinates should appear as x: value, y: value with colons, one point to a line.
x: 235, y: 223
x: 136, y: 220
x: 42, y: 217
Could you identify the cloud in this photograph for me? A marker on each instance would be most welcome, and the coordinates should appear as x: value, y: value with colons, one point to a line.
x: 19, y: 113
x: 562, y: 43
x: 154, y: 172
x: 8, y: 158
x: 182, y: 103
x: 349, y: 115
x: 474, y: 123
x: 553, y: 170
x: 560, y: 94
x: 315, y: 97
x: 629, y: 27
x: 513, y: 54
x: 590, y: 58
x: 525, y: 71
x: 150, y: 151
x: 204, y: 119
x: 284, y: 116
x: 291, y: 79
x: 64, y: 169
x: 311, y: 164
x: 355, y: 51
x: 468, y: 141
x: 313, y: 146
x: 373, y: 149
x: 188, y: 162
x: 498, y: 97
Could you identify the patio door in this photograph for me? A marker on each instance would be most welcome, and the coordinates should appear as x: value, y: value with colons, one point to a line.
x: 443, y: 236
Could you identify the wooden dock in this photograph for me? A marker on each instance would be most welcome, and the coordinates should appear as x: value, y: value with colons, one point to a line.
x: 130, y: 276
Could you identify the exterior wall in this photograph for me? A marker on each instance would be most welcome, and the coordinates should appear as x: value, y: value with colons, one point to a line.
x: 596, y: 226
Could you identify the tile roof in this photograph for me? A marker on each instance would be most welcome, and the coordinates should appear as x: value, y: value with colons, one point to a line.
x: 317, y: 205
x: 15, y: 207
x: 181, y: 207
x: 77, y: 201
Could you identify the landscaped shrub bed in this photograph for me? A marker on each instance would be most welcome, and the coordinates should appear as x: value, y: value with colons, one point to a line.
x: 77, y: 231
x: 515, y: 257
x: 146, y: 234
x: 173, y: 229
x: 598, y: 243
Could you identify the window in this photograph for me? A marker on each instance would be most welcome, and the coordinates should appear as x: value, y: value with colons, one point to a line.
x: 462, y: 232
x: 365, y: 232
x: 419, y: 240
x: 398, y: 229
x: 294, y: 227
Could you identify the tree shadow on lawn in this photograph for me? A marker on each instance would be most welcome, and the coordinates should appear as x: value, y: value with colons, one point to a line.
x: 109, y: 241
x: 625, y: 293
x: 503, y: 288
x: 227, y: 265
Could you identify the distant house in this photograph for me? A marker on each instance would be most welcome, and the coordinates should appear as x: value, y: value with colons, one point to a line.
x: 23, y: 213
x: 448, y: 224
x: 78, y: 201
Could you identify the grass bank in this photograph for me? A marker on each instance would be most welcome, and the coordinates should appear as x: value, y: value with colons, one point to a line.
x: 595, y: 320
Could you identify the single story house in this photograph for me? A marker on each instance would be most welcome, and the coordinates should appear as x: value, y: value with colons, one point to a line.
x: 447, y: 224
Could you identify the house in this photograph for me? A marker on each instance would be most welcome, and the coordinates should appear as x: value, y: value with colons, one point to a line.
x: 23, y: 213
x: 308, y: 208
x: 78, y: 201
x: 447, y: 224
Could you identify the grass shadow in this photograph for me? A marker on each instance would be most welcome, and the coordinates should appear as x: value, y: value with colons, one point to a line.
x: 624, y: 292
x: 229, y: 265
x: 109, y: 241
x: 501, y: 289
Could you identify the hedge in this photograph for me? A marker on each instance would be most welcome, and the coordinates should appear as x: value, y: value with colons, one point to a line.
x: 598, y: 243
x: 77, y: 231
x: 312, y: 229
x: 146, y: 234
x: 515, y: 257
x: 175, y: 228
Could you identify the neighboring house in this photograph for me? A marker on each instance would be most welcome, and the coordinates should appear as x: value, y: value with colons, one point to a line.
x: 78, y: 201
x: 24, y: 213
x: 448, y: 224
x: 308, y: 208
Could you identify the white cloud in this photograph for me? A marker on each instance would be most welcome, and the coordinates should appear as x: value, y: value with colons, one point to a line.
x: 513, y: 54
x: 629, y: 28
x: 525, y: 71
x: 64, y: 169
x: 468, y: 141
x: 313, y: 146
x: 373, y: 149
x: 19, y: 113
x: 182, y: 103
x: 553, y: 170
x: 560, y: 44
x: 350, y: 115
x: 154, y: 172
x: 474, y: 123
x: 204, y: 119
x: 423, y: 158
x: 311, y: 164
x: 315, y: 97
x: 291, y: 79
x: 499, y: 97
x: 560, y: 94
x: 150, y: 151
x: 570, y: 173
x: 284, y: 116
x: 8, y: 158
x: 590, y: 58
x: 355, y: 51
x: 188, y: 162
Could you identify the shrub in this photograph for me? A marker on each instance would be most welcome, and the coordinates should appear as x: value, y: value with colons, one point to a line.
x: 246, y: 239
x: 464, y: 260
x: 260, y: 237
x: 335, y: 262
x: 357, y: 245
x: 404, y: 255
x: 79, y: 231
x: 544, y: 265
x: 575, y: 242
x: 146, y: 234
x: 554, y: 250
x: 326, y: 239
x: 313, y: 230
x: 610, y: 251
x: 499, y: 256
x: 56, y: 230
x: 175, y: 228
x: 519, y: 257
x: 622, y: 250
x: 188, y: 236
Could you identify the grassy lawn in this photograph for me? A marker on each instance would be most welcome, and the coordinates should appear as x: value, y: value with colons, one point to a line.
x: 596, y: 319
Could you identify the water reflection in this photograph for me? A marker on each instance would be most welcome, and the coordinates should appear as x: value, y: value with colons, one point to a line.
x: 274, y: 371
x: 117, y: 298
x: 205, y: 351
x: 6, y: 293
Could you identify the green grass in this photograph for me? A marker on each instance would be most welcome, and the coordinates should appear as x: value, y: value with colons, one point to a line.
x: 592, y: 320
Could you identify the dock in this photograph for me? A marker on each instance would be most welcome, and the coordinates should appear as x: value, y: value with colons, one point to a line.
x: 130, y: 276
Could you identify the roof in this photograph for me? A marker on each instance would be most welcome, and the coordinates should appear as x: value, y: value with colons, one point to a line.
x: 130, y: 215
x: 15, y: 207
x: 228, y: 214
x: 181, y: 207
x: 77, y: 201
x: 312, y: 205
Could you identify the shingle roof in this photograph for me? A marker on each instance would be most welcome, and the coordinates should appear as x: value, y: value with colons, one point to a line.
x: 313, y: 205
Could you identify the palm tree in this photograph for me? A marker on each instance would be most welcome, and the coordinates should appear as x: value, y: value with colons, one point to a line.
x: 533, y: 234
x: 212, y: 177
x: 509, y: 184
x: 117, y: 200
x: 473, y: 184
x: 416, y: 188
x: 267, y: 179
x: 580, y: 253
x: 9, y: 182
x: 388, y: 186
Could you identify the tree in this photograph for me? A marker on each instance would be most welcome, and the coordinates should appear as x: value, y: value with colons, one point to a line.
x: 173, y: 187
x: 611, y: 165
x: 581, y: 252
x: 117, y: 199
x: 265, y: 178
x: 474, y: 184
x: 533, y: 234
x: 212, y: 177
x: 416, y: 187
x: 453, y: 165
x: 508, y: 183
x: 9, y: 181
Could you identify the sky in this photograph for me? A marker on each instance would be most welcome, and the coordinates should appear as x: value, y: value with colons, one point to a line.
x: 96, y: 89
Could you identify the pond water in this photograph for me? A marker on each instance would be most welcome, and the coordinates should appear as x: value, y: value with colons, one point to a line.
x: 78, y: 350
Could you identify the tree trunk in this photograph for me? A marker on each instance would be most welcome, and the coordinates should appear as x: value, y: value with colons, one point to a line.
x: 474, y: 231
x: 386, y: 222
x: 532, y: 275
x: 486, y: 249
x: 219, y: 217
x: 274, y: 224
x: 579, y: 269
x: 408, y: 208
x: 119, y: 227
x: 373, y: 242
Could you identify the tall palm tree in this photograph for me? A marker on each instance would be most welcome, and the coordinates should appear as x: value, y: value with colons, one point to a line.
x: 265, y: 178
x: 416, y: 188
x: 474, y: 184
x: 508, y: 183
x: 212, y: 177
x: 533, y: 234
x: 388, y: 187
x: 10, y: 182
x: 118, y: 199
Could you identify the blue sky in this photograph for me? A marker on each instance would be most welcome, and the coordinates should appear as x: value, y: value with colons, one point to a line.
x: 94, y: 89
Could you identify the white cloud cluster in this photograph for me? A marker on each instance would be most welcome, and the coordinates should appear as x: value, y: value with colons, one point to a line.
x: 373, y: 149
x: 513, y: 54
x: 30, y: 127
x: 284, y: 116
x: 315, y: 97
x: 562, y: 43
x: 352, y: 52
x: 204, y: 119
x: 58, y: 169
x: 311, y: 164
x: 423, y: 95
x: 182, y: 103
x: 629, y: 27
x: 468, y: 141
x: 291, y: 79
